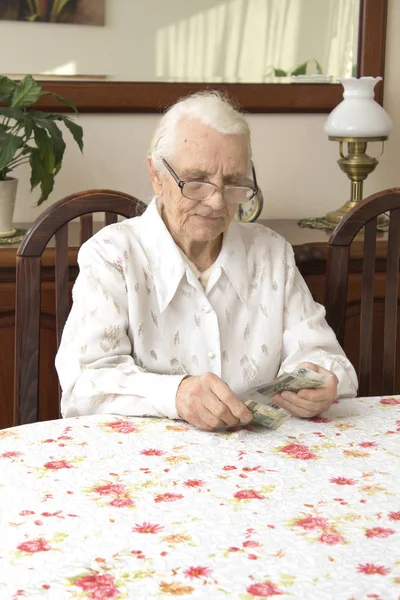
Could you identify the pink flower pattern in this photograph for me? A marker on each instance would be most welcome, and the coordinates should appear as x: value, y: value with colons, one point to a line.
x: 129, y: 507
x: 99, y: 587
x: 122, y: 426
x: 55, y: 465
x: 343, y: 481
x: 298, y: 451
x: 121, y: 502
x: 33, y: 546
x: 394, y: 516
x: 380, y: 532
x: 371, y: 569
x: 313, y: 523
x: 250, y: 544
x: 194, y: 483
x: 12, y: 454
x: 331, y: 539
x: 390, y: 401
x: 197, y: 572
x: 168, y: 497
x: 148, y: 528
x: 264, y: 590
x: 152, y: 452
x: 248, y: 495
x: 110, y: 488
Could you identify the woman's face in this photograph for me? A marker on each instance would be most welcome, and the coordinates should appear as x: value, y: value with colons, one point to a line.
x: 203, y: 154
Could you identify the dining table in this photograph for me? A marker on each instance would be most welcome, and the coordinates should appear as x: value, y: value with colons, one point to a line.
x: 108, y: 506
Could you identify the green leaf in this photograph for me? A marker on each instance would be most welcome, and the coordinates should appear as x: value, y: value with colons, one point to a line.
x: 39, y: 175
x: 39, y: 114
x: 76, y: 131
x: 56, y: 138
x: 7, y: 86
x: 28, y: 126
x: 27, y: 92
x: 318, y: 65
x: 301, y: 69
x: 46, y: 187
x: 9, y: 144
x: 37, y: 169
x: 45, y: 146
x: 280, y: 73
x: 63, y: 100
x: 12, y: 113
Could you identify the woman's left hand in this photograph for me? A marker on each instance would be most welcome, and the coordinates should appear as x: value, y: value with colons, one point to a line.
x: 309, y: 403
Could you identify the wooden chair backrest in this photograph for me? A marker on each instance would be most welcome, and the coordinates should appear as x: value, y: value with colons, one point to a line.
x: 365, y: 215
x: 52, y: 222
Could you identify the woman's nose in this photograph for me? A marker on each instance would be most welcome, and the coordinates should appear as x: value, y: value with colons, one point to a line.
x: 216, y: 200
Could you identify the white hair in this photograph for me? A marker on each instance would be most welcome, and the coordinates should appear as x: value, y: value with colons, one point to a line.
x: 209, y: 107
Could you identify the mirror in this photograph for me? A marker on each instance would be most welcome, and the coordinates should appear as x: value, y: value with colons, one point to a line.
x: 134, y: 56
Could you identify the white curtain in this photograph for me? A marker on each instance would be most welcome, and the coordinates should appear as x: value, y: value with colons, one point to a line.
x: 243, y: 40
x: 342, y: 38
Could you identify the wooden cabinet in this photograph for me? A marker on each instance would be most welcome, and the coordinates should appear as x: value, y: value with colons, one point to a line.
x: 310, y: 248
x: 48, y: 384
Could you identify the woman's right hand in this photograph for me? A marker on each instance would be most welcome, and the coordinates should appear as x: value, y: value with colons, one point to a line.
x: 208, y: 403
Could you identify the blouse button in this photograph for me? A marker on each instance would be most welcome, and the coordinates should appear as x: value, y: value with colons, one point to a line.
x: 211, y: 355
x: 206, y: 309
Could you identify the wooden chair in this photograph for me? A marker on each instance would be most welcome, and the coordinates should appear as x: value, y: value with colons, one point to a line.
x: 52, y: 222
x: 365, y: 215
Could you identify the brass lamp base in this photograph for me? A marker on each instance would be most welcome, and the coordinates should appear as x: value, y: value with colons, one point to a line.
x: 357, y: 165
x: 336, y: 216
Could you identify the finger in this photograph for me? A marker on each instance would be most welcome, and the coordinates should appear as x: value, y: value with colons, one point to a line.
x: 225, y: 394
x: 318, y: 395
x: 208, y: 417
x: 317, y: 369
x: 220, y: 410
x: 299, y: 406
x: 294, y: 410
x: 327, y: 391
x: 327, y: 372
x: 308, y: 365
x: 189, y: 413
x: 194, y: 419
x: 299, y: 403
x: 306, y: 403
x: 202, y: 425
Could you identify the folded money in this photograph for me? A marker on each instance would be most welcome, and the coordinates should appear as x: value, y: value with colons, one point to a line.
x: 260, y: 400
x: 272, y: 416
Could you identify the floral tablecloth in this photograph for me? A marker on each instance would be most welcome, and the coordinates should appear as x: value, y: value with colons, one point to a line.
x: 109, y: 507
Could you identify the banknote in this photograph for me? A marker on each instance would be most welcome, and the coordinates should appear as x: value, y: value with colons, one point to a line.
x: 269, y: 416
x: 260, y: 400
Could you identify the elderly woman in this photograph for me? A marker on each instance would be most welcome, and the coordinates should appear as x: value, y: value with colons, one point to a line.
x: 178, y: 312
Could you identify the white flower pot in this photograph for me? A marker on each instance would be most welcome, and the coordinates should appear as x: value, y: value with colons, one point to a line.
x: 8, y: 194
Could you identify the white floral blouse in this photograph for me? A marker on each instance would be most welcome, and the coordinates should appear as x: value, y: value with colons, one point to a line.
x: 141, y: 320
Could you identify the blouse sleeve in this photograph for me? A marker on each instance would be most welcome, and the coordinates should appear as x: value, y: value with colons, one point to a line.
x: 95, y: 365
x: 307, y: 337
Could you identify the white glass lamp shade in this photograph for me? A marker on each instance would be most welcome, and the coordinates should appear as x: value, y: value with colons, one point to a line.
x: 358, y: 115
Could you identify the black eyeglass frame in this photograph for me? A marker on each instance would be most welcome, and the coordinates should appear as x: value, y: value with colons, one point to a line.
x: 181, y: 182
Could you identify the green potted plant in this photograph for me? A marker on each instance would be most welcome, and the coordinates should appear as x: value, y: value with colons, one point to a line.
x: 299, y: 70
x: 29, y: 136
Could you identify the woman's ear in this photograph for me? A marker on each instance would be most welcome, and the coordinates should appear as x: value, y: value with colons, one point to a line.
x: 155, y: 178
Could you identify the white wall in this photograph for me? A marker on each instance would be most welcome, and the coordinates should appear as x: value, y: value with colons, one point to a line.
x: 295, y: 162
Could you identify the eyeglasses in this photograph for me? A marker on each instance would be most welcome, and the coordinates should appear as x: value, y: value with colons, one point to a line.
x: 203, y: 190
